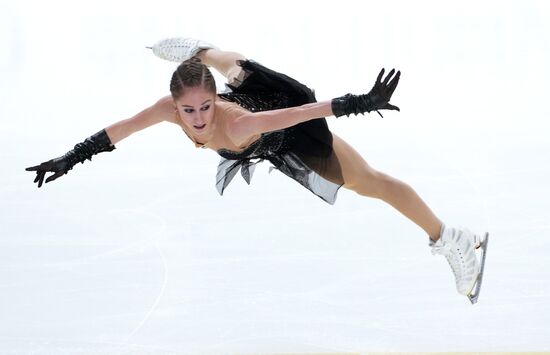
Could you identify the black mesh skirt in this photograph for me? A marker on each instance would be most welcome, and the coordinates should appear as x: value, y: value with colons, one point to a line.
x: 303, y: 152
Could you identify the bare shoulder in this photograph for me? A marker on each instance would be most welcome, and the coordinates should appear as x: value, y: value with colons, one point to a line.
x: 231, y: 108
x: 231, y: 113
x: 165, y: 109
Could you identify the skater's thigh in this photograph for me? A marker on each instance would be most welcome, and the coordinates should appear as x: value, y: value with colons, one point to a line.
x: 223, y: 61
x: 357, y: 173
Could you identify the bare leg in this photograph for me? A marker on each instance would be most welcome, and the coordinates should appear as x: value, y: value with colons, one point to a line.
x: 366, y: 181
x: 359, y: 176
x: 222, y: 61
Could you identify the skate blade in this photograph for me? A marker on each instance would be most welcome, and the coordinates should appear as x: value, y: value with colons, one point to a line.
x: 475, y: 294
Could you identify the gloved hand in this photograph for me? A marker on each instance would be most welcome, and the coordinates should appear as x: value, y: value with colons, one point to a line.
x: 59, y: 166
x: 377, y: 99
x: 97, y: 143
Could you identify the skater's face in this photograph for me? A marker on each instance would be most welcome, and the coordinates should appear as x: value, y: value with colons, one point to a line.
x: 196, y: 110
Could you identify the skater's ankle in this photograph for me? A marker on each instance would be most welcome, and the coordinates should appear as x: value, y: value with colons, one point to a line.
x: 434, y: 236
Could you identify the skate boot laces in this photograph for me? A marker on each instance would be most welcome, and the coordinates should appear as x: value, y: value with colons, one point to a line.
x: 178, y: 49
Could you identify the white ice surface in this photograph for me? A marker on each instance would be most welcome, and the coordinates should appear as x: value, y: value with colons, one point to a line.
x: 136, y: 253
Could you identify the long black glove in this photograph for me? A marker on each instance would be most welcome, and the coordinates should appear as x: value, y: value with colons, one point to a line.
x: 97, y: 143
x: 377, y: 99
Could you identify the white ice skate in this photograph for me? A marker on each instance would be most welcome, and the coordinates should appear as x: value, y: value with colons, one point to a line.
x: 179, y: 49
x: 458, y: 245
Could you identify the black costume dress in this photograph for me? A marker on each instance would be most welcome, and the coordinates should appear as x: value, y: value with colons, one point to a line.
x: 303, y: 152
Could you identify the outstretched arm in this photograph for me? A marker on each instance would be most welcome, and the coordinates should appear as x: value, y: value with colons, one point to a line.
x: 162, y: 110
x: 251, y: 124
x: 104, y: 140
x: 378, y: 98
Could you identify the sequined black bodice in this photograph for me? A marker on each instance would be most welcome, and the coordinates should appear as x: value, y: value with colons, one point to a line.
x: 302, y: 152
x: 258, y: 101
x: 269, y: 143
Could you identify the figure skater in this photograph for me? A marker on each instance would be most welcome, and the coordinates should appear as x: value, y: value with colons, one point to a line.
x: 266, y: 115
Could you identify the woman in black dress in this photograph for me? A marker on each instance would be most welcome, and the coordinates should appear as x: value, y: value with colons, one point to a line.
x: 266, y: 115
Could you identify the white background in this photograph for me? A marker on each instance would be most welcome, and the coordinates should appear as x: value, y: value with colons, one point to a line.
x: 135, y: 252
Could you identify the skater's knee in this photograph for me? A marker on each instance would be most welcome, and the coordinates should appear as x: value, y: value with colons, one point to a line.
x: 233, y: 73
x: 372, y: 183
